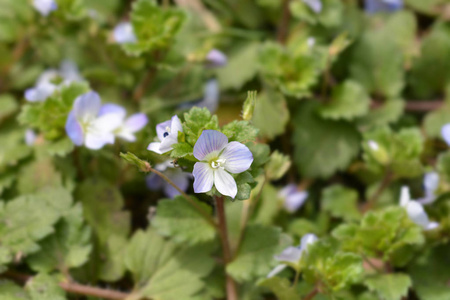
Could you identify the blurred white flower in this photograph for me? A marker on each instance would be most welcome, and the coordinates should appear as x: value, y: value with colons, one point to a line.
x: 293, y: 199
x: 124, y: 33
x: 45, y: 7
x: 415, y: 210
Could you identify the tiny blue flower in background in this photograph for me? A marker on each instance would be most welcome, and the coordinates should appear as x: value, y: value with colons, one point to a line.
x: 216, y: 58
x: 430, y: 186
x: 293, y: 199
x: 129, y: 126
x: 210, y: 99
x: 311, y: 42
x: 167, y: 134
x: 217, y: 159
x: 445, y: 132
x: 314, y: 5
x: 415, y: 210
x: 374, y: 6
x: 44, y: 87
x: 88, y: 125
x: 30, y: 137
x: 293, y: 254
x: 45, y: 7
x: 180, y: 178
x: 124, y: 33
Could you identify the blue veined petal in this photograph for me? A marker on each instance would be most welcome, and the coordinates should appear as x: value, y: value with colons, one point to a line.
x: 124, y: 33
x: 87, y: 106
x: 74, y: 130
x: 445, y: 132
x: 238, y: 158
x: 209, y: 142
x: 111, y: 108
x: 224, y: 183
x: 203, y: 177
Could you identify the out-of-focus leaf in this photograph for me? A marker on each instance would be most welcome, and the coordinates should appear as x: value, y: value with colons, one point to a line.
x: 389, y: 286
x: 240, y: 131
x: 270, y: 106
x: 281, y: 287
x: 44, y: 286
x: 8, y: 105
x: 341, y: 202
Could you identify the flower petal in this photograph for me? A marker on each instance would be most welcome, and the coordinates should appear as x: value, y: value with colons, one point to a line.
x: 210, y: 141
x: 154, y: 182
x: 238, y: 157
x: 181, y: 180
x: 306, y: 240
x: 314, y: 5
x: 166, y: 144
x: 290, y: 254
x: 175, y: 125
x: 445, y: 132
x: 210, y: 96
x: 161, y: 128
x: 87, y: 106
x: 216, y: 58
x: 405, y: 196
x: 203, y: 177
x: 225, y: 183
x: 30, y: 137
x: 107, y: 123
x: 294, y: 201
x: 124, y: 33
x: 111, y: 108
x: 136, y: 122
x: 97, y: 141
x: 74, y: 130
x: 417, y: 214
x: 288, y: 190
x: 430, y: 183
x: 154, y: 147
x: 432, y: 225
x: 276, y: 270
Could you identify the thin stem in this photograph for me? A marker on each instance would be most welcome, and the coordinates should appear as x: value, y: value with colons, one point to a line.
x: 297, y: 277
x: 223, y: 232
x: 311, y: 295
x: 383, y: 185
x: 142, y: 87
x: 207, y: 217
x: 73, y: 287
x: 416, y: 106
x: 282, y: 33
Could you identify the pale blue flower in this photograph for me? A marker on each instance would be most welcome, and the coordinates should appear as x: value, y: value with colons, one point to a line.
x: 167, y: 133
x: 293, y: 199
x: 374, y: 6
x: 292, y: 254
x: 445, y: 132
x: 124, y: 33
x: 216, y: 58
x: 45, y: 86
x: 88, y: 125
x: 430, y: 186
x: 129, y: 126
x: 415, y: 210
x: 217, y: 159
x: 30, y: 137
x: 314, y: 5
x: 45, y: 7
x: 179, y: 178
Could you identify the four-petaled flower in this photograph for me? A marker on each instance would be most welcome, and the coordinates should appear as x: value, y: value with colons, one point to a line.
x: 45, y: 85
x: 124, y: 33
x: 168, y: 135
x: 415, y: 210
x: 217, y: 159
x: 45, y: 7
x: 180, y: 178
x: 374, y: 6
x: 87, y: 124
x: 292, y: 198
x: 292, y: 254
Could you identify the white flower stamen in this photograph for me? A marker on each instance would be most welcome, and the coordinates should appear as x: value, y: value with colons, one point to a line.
x: 218, y: 163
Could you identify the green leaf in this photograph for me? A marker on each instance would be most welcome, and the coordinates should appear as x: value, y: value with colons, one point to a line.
x: 389, y: 286
x: 240, y: 131
x: 27, y: 219
x: 389, y: 112
x: 13, y: 149
x: 60, y: 147
x: 271, y: 106
x: 155, y: 27
x: 277, y: 166
x: 334, y: 269
x: 8, y: 105
x: 131, y: 158
x: 11, y: 291
x: 50, y: 116
x: 241, y: 67
x: 341, y: 202
x: 349, y: 100
x: 197, y: 120
x: 434, y: 120
x: 37, y: 175
x: 322, y: 147
x: 254, y: 257
x: 443, y: 165
x: 268, y: 205
x: 178, y: 219
x: 181, y: 150
x: 44, y: 286
x: 164, y: 272
x: 281, y: 287
x: 68, y: 247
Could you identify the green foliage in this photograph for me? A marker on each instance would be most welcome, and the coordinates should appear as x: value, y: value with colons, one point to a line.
x: 8, y: 106
x: 322, y: 146
x: 249, y: 105
x: 254, y: 257
x: 389, y: 286
x: 281, y: 287
x: 335, y: 270
x: 271, y: 106
x: 277, y: 166
x: 44, y: 286
x: 197, y: 120
x: 178, y: 219
x: 163, y: 271
x: 154, y: 26
x: 341, y: 202
x: 240, y: 131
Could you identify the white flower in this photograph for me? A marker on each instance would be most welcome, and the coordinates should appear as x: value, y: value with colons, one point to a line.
x: 217, y: 159
x: 45, y: 7
x: 30, y: 137
x: 415, y: 210
x: 216, y: 58
x: 124, y: 33
x: 88, y: 125
x: 293, y: 199
x: 314, y: 5
x: 168, y: 135
x: 178, y: 177
x: 373, y: 145
x: 430, y: 185
x: 293, y: 254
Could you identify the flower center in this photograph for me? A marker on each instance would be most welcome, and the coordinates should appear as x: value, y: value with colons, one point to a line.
x: 218, y: 163
x: 166, y: 133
